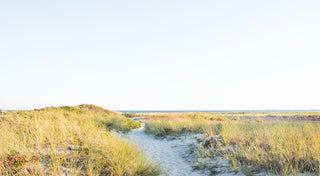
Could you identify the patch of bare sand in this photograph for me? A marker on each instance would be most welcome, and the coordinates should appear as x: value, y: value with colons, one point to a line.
x: 169, y: 153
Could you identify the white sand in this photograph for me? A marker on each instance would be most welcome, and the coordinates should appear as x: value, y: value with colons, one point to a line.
x: 169, y: 153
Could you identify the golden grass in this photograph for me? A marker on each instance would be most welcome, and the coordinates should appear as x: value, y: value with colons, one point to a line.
x: 282, y: 148
x: 231, y: 115
x: 73, y: 140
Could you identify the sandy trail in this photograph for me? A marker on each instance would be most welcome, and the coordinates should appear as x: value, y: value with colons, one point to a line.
x: 169, y: 153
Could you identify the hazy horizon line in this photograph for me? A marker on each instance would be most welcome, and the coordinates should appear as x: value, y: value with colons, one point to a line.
x: 212, y: 110
x: 182, y: 109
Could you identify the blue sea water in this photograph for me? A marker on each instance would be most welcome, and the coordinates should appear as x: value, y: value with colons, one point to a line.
x: 217, y: 111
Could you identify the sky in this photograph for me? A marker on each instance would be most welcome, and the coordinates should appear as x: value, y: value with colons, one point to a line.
x: 160, y: 55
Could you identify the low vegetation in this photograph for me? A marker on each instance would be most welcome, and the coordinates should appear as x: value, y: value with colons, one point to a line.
x: 69, y: 140
x: 311, y: 116
x: 254, y: 145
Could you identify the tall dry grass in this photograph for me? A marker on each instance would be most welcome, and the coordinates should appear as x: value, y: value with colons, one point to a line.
x: 282, y: 148
x: 73, y: 140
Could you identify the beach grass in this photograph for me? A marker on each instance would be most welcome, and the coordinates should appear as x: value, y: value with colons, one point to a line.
x: 69, y: 140
x: 284, y: 147
x: 232, y: 115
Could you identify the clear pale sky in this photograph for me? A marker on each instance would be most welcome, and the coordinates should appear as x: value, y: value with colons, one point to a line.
x: 160, y: 55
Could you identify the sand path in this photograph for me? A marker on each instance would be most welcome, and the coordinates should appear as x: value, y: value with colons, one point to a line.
x: 171, y: 154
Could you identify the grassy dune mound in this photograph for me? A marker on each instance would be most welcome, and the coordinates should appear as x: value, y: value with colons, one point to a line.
x: 68, y: 140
